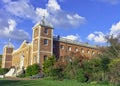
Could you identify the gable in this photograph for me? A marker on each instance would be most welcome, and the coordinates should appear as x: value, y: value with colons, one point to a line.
x: 23, y: 45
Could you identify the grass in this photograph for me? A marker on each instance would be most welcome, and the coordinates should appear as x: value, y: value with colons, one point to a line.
x: 44, y: 83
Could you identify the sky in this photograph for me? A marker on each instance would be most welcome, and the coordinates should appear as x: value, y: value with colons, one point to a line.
x: 81, y: 20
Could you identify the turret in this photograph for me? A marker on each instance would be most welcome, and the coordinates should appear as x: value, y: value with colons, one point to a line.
x: 42, y: 41
x: 7, y: 55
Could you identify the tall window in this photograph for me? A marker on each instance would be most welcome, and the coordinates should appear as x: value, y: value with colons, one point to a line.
x: 76, y: 49
x: 82, y: 51
x: 45, y: 57
x: 93, y: 52
x: 61, y: 47
x: 35, y: 43
x: 45, y: 42
x: 35, y: 59
x: 88, y: 51
x: 46, y: 30
x: 36, y: 32
x: 69, y: 48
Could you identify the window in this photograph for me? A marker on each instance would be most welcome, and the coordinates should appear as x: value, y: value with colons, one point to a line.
x: 45, y: 42
x: 76, y: 49
x: 61, y: 47
x: 82, y: 51
x: 35, y: 43
x: 88, y: 51
x: 69, y: 48
x: 93, y: 52
x: 36, y: 32
x: 45, y: 57
x: 35, y: 59
x: 46, y: 30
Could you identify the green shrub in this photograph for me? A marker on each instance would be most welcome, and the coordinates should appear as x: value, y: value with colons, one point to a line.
x: 3, y: 71
x: 57, y: 74
x: 21, y: 76
x: 81, y: 76
x: 32, y: 70
x: 48, y: 65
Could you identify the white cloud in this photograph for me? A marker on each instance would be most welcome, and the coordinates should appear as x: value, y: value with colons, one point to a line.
x: 40, y: 12
x: 53, y: 12
x: 21, y: 8
x: 52, y: 4
x: 12, y: 32
x: 100, y: 36
x: 73, y: 37
x: 14, y: 10
x: 97, y: 37
x: 115, y: 29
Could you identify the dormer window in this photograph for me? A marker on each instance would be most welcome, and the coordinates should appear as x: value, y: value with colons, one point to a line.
x: 46, y: 31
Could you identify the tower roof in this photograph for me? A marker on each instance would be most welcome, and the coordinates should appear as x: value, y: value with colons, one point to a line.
x: 44, y: 22
x: 9, y: 44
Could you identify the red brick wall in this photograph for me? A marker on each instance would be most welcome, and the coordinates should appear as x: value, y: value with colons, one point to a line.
x: 49, y: 35
x: 45, y: 47
x: 63, y: 52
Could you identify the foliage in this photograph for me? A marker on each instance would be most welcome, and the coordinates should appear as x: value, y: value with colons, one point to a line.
x: 32, y: 70
x: 114, y: 73
x: 48, y: 65
x: 57, y: 74
x: 113, y: 49
x: 81, y: 76
x: 3, y: 71
x: 104, y: 64
x: 21, y: 75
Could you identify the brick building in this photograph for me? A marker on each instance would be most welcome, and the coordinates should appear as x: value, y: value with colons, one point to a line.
x: 43, y: 45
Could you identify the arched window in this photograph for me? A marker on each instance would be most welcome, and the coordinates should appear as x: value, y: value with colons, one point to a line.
x: 76, y: 49
x: 69, y: 48
x: 88, y: 51
x: 93, y: 52
x: 62, y: 47
x: 82, y: 50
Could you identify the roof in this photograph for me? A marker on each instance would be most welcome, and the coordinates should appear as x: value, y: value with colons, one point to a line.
x: 74, y: 42
x: 44, y: 22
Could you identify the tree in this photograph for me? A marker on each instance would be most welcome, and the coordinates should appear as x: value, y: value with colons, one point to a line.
x: 113, y: 49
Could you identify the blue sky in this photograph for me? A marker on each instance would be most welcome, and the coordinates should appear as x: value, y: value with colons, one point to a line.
x: 82, y: 20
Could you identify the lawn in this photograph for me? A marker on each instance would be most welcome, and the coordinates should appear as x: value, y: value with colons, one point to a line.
x: 44, y: 83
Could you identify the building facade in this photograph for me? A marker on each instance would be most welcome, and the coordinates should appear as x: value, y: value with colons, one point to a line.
x: 43, y: 45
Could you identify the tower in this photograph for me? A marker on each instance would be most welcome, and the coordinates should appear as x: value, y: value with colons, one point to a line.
x: 42, y: 41
x: 7, y: 55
